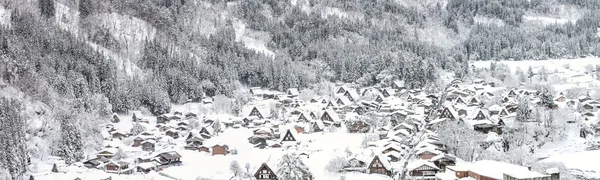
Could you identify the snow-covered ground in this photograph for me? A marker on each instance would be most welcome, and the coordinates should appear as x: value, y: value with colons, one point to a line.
x: 5, y: 16
x: 547, y: 20
x: 585, y: 163
x: 258, y: 45
x: 488, y: 20
x: 573, y: 76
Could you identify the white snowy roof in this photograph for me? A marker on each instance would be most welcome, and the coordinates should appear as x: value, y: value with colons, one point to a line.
x: 293, y: 91
x: 500, y: 168
x: 418, y: 163
x: 495, y: 107
x: 446, y: 176
x: 344, y: 100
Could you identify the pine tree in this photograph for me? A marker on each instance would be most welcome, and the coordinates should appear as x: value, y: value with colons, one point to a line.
x: 71, y: 145
x: 530, y: 73
x: 47, y: 8
x: 523, y: 111
x: 546, y: 98
x: 134, y: 118
x: 217, y: 126
x: 137, y: 128
x: 13, y: 152
x: 85, y: 8
x: 291, y: 168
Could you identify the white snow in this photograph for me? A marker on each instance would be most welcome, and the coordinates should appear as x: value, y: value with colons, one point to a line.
x: 244, y: 35
x: 488, y: 20
x: 547, y: 20
x: 584, y: 163
x: 561, y: 77
x: 5, y: 16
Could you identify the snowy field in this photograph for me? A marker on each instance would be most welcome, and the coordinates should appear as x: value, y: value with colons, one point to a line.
x: 569, y: 73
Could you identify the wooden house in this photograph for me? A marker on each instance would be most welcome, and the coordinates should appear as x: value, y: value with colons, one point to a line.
x: 264, y: 172
x: 193, y: 143
x: 220, y: 149
x: 292, y: 92
x: 342, y: 90
x: 330, y: 117
x: 449, y: 113
x: 386, y: 92
x: 168, y: 158
x: 107, y: 153
x: 118, y: 135
x: 422, y: 169
x: 480, y: 114
x: 443, y: 160
x: 399, y: 85
x: 255, y: 112
x: 351, y: 94
x: 120, y: 167
x: 206, y: 132
x: 343, y: 101
x: 289, y: 136
x: 512, y: 93
x: 95, y: 162
x: 148, y: 145
x: 203, y: 149
x: 146, y: 167
x: 172, y: 133
x: 358, y: 126
x: 137, y: 141
x: 427, y: 154
x: 380, y: 165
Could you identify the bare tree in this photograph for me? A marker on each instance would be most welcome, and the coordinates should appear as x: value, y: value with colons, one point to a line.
x: 235, y: 168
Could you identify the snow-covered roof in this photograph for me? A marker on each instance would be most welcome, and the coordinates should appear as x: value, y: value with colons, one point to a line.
x: 343, y: 100
x: 399, y: 83
x: 293, y: 91
x: 419, y: 163
x: 147, y: 165
x: 441, y: 156
x: 107, y: 151
x: 433, y: 151
x: 384, y: 161
x: 403, y: 132
x: 500, y: 168
x: 446, y: 176
x: 334, y: 116
x: 495, y: 107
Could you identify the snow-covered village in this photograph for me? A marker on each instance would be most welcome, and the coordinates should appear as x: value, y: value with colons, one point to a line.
x: 472, y: 129
x: 299, y: 90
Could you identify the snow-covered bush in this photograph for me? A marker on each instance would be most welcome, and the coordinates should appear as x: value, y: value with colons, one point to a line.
x: 336, y: 164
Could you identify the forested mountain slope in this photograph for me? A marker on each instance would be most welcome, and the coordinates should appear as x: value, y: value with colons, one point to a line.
x: 184, y: 49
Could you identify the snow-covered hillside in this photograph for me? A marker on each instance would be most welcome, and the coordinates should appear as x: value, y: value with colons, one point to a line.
x: 252, y: 39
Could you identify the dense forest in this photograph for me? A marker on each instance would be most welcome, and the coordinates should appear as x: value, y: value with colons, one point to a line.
x: 375, y: 42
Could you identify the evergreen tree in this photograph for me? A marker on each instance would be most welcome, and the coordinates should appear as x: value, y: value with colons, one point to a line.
x: 47, y: 8
x: 546, y: 98
x: 13, y: 155
x: 71, y: 146
x: 85, y: 8
x: 523, y: 110
x: 134, y: 118
x: 530, y: 73
x: 137, y: 128
x: 291, y: 168
x: 217, y: 126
